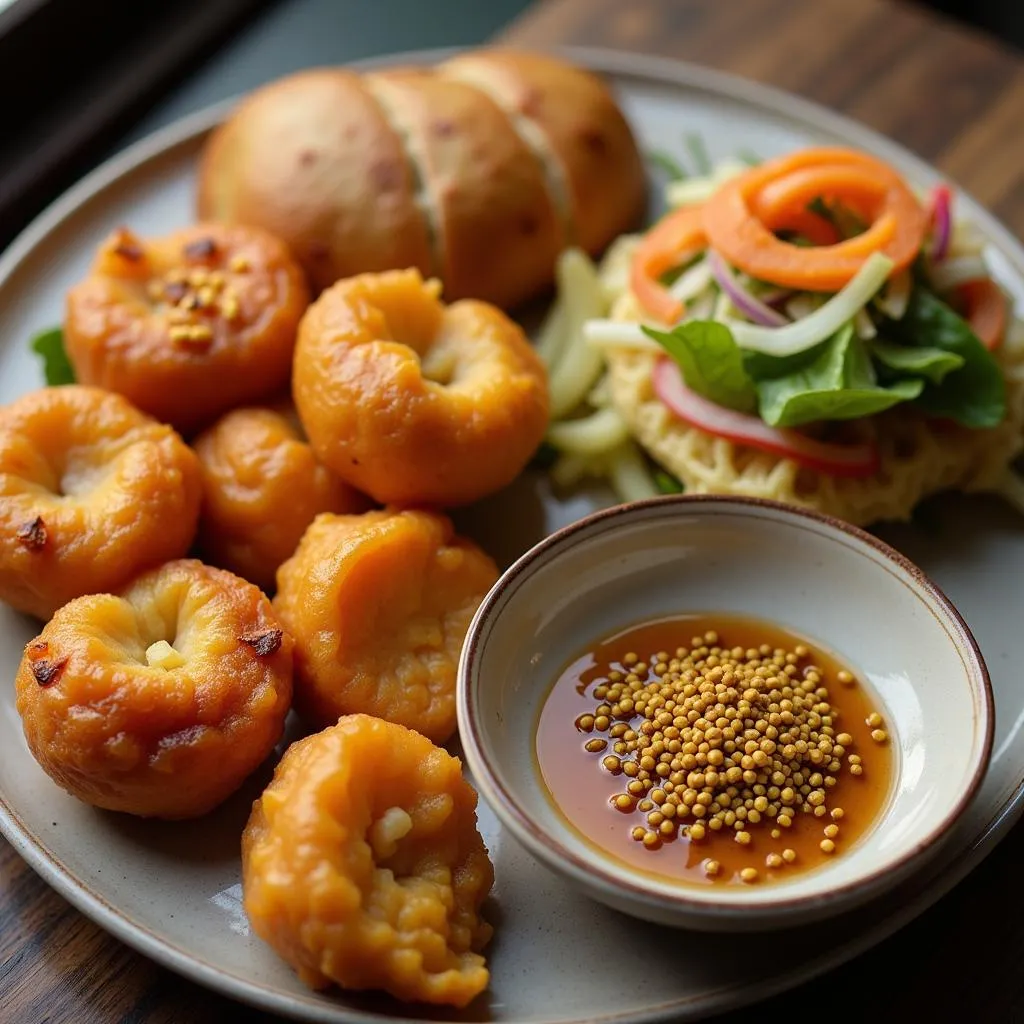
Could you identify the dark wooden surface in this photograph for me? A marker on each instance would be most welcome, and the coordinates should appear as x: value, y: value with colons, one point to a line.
x: 955, y: 98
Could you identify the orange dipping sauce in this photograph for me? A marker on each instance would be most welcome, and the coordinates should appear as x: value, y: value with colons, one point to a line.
x: 714, y: 728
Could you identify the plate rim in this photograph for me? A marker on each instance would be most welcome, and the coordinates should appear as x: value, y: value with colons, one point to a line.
x: 654, y: 70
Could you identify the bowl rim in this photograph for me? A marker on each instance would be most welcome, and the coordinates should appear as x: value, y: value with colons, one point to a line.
x: 593, y: 870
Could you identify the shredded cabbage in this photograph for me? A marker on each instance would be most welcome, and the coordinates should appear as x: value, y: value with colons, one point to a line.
x: 893, y: 300
x: 691, y: 191
x: 591, y: 435
x: 576, y: 370
x: 823, y: 322
x: 629, y: 476
x: 949, y: 273
x: 604, y: 334
x: 692, y: 282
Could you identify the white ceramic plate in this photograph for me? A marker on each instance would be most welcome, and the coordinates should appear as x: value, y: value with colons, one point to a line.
x: 172, y: 890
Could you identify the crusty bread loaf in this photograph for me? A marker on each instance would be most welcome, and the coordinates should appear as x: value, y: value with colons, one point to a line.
x: 479, y: 171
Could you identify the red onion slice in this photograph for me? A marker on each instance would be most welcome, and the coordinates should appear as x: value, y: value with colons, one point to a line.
x: 749, y: 305
x: 856, y: 460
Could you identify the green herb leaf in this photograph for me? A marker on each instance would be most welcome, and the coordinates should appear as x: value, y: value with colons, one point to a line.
x: 748, y: 156
x: 668, y: 164
x: 56, y: 367
x: 710, y: 361
x: 839, y: 384
x: 841, y: 217
x: 794, y: 238
x: 667, y: 483
x: 820, y: 208
x: 762, y: 366
x: 975, y: 394
x: 916, y: 360
x: 699, y: 153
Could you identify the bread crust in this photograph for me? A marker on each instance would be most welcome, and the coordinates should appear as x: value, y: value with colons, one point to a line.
x: 496, y: 231
x: 479, y: 171
x: 576, y: 120
x: 313, y: 159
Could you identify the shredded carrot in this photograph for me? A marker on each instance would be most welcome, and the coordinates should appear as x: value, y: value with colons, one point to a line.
x: 983, y: 305
x: 672, y: 241
x: 742, y: 217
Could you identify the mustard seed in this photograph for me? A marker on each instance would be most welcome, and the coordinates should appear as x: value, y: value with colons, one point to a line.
x: 719, y: 739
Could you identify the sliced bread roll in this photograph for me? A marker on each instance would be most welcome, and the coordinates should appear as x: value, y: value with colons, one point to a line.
x: 479, y: 171
x: 495, y: 229
x: 313, y: 160
x: 576, y: 129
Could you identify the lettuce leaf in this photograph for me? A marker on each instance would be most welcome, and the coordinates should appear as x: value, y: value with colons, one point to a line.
x: 915, y: 360
x: 973, y: 395
x: 931, y: 357
x: 762, y: 366
x: 57, y: 368
x: 839, y: 384
x: 710, y: 361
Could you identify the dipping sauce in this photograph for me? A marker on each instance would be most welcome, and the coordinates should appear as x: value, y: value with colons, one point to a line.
x: 714, y: 749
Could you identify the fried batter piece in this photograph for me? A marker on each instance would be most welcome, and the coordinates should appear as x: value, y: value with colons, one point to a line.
x: 92, y: 492
x: 379, y: 606
x: 414, y: 402
x: 362, y: 865
x: 158, y: 702
x: 262, y: 486
x: 190, y: 325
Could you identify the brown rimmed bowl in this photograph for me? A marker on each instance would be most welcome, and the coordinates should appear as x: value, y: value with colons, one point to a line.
x: 832, y: 583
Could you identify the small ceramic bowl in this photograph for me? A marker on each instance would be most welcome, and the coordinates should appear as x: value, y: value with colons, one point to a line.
x: 835, y: 585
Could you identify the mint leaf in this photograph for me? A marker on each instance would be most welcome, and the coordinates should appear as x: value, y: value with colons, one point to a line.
x: 916, y: 360
x: 710, y: 361
x: 56, y: 367
x: 975, y: 394
x: 839, y: 384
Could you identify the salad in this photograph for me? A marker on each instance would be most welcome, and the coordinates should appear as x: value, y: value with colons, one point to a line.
x: 809, y: 329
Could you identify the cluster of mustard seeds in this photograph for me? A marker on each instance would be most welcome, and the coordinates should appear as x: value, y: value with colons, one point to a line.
x: 194, y: 294
x: 723, y: 740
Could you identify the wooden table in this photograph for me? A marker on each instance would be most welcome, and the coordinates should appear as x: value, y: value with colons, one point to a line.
x: 956, y: 99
